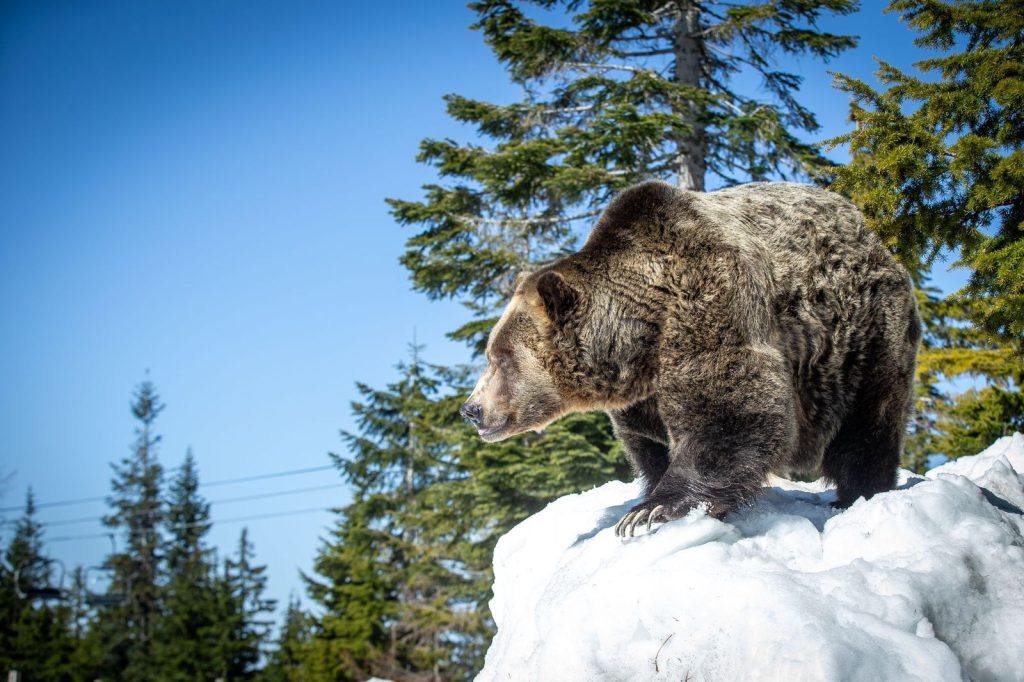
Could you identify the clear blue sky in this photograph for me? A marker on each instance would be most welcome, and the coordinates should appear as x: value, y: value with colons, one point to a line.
x: 197, y: 188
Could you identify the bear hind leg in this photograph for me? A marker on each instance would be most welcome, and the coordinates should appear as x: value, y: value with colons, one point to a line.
x: 864, y: 456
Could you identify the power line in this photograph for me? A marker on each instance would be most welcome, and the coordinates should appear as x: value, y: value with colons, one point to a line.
x: 251, y: 517
x: 61, y: 503
x: 260, y: 477
x: 227, y: 500
x: 280, y: 493
x: 211, y: 484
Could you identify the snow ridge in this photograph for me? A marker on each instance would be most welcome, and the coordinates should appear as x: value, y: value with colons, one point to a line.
x: 925, y: 582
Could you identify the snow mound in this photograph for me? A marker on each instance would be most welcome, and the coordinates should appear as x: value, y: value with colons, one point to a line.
x: 922, y: 583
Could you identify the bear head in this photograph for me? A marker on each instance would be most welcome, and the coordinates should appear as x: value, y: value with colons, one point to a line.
x: 563, y: 344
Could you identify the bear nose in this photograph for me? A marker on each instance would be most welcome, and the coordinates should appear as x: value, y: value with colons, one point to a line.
x: 472, y: 413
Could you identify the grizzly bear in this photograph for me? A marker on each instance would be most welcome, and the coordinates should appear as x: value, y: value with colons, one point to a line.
x: 727, y: 334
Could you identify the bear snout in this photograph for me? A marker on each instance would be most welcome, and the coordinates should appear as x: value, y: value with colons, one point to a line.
x: 472, y: 412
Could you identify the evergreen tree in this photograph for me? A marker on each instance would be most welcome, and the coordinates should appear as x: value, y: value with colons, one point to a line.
x: 938, y: 167
x: 621, y: 91
x: 35, y: 636
x: 286, y: 662
x: 614, y: 92
x: 127, y: 631
x: 630, y: 90
x: 242, y: 627
x: 184, y: 646
x: 356, y: 589
x: 24, y: 557
x: 81, y: 620
x: 392, y: 580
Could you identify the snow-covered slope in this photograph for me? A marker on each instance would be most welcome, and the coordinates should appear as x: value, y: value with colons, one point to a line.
x: 922, y: 583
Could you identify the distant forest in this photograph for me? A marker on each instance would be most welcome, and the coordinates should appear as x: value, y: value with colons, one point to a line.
x: 620, y: 92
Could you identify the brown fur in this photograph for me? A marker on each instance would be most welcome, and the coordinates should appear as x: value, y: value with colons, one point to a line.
x: 727, y: 334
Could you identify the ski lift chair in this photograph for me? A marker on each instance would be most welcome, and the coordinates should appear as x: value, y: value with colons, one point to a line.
x: 48, y: 592
x: 99, y: 583
x: 99, y: 590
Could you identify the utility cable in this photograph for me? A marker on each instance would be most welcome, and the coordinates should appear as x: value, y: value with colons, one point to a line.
x: 211, y: 484
x: 251, y: 517
x: 227, y: 500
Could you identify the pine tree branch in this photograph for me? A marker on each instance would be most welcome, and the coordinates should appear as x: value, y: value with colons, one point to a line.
x: 730, y: 58
x: 658, y: 35
x: 546, y: 220
x: 566, y: 110
x: 613, y: 67
x: 669, y: 9
x: 738, y: 111
x: 645, y: 53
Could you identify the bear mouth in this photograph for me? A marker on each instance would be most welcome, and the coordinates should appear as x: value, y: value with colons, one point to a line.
x: 490, y: 433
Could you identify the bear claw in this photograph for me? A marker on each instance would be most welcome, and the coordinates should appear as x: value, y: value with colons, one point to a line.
x: 654, y: 512
x: 638, y: 519
x: 626, y: 527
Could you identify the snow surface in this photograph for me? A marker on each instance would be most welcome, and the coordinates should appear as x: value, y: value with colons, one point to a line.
x: 922, y: 583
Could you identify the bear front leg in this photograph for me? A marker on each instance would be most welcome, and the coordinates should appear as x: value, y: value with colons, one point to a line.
x: 730, y: 418
x: 642, y: 433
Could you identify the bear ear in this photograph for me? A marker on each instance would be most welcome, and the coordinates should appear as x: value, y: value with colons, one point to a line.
x: 559, y: 298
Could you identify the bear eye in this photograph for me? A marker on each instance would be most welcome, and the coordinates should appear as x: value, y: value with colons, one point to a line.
x: 500, y: 359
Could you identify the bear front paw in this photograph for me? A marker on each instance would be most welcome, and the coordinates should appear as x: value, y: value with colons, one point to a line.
x: 649, y: 512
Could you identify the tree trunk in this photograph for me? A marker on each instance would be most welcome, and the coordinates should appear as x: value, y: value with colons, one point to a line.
x: 691, y: 147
